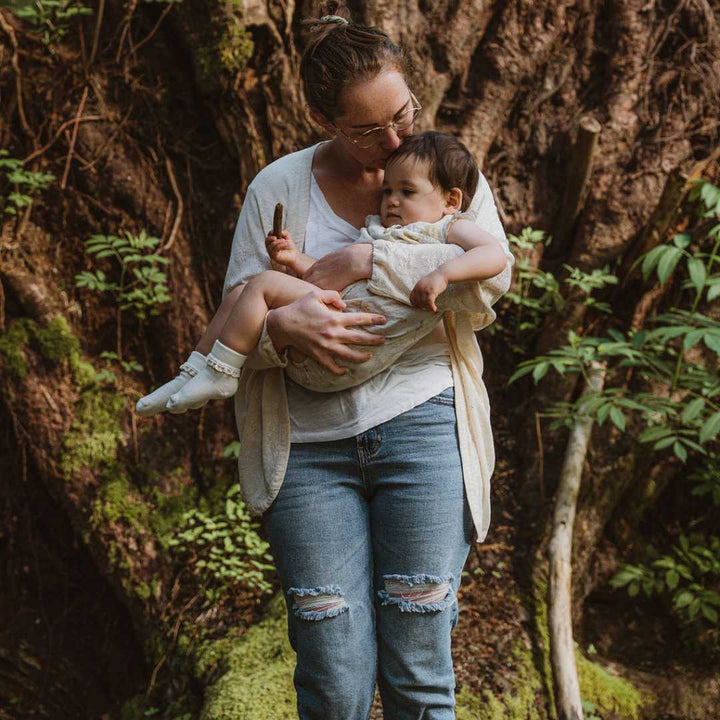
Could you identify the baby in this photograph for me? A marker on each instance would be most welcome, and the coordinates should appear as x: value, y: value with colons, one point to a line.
x: 429, y: 180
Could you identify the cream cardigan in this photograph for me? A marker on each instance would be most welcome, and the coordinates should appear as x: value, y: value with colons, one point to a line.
x: 261, y: 408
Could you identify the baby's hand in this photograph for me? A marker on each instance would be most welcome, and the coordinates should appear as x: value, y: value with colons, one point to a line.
x: 427, y: 289
x: 282, y: 250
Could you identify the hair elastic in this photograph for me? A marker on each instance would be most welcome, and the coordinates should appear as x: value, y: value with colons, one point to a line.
x: 326, y: 19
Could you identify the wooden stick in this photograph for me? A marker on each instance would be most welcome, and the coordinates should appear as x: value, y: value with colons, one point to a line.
x: 81, y: 107
x: 18, y: 76
x: 562, y: 651
x: 96, y: 33
x: 59, y: 131
x: 576, y: 184
x: 179, y: 214
x: 278, y: 220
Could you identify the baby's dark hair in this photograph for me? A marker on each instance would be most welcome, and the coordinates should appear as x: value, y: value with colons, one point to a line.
x: 450, y: 163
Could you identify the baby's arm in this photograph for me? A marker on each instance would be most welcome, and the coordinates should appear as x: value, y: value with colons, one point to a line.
x: 283, y: 251
x: 484, y: 258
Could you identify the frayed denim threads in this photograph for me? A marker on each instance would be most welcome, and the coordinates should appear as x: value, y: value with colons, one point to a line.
x: 418, y: 593
x: 318, y: 603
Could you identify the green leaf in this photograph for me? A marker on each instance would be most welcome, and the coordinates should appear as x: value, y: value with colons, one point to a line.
x: 710, y: 613
x: 540, y: 371
x: 683, y: 599
x: 712, y: 341
x: 693, y: 338
x: 651, y: 259
x: 693, y: 409
x: 711, y: 428
x: 681, y: 240
x: 696, y: 268
x: 618, y: 418
x: 654, y: 433
x: 667, y: 442
x: 680, y: 451
x: 667, y: 263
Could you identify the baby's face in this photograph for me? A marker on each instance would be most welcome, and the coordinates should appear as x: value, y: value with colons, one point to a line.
x: 410, y: 196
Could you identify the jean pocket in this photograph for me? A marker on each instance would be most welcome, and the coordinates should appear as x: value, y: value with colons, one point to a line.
x: 446, y: 397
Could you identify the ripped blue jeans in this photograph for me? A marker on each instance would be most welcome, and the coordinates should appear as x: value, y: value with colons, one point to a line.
x: 369, y: 536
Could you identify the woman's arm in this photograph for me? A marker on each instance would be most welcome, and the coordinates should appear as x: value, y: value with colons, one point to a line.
x: 393, y: 269
x: 308, y: 324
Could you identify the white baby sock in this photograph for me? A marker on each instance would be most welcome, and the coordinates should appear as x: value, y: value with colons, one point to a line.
x: 156, y: 401
x: 216, y: 381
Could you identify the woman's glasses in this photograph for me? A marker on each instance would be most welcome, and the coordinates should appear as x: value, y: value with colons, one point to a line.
x: 374, y: 136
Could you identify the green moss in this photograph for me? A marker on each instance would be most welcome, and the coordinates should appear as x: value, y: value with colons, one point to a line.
x: 95, y: 433
x: 519, y: 704
x: 12, y: 344
x: 227, y: 47
x: 611, y: 694
x: 56, y: 340
x: 254, y: 672
x: 118, y: 500
x: 235, y: 46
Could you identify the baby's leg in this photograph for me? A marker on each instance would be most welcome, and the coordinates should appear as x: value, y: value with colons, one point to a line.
x: 212, y: 333
x: 240, y: 335
x: 156, y: 401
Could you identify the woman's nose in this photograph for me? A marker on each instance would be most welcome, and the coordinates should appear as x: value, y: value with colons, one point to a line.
x: 391, y: 140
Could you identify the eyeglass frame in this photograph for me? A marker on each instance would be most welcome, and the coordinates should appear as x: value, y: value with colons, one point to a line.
x: 417, y: 107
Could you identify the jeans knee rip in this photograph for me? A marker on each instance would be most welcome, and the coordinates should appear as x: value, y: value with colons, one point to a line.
x: 417, y: 593
x: 318, y: 603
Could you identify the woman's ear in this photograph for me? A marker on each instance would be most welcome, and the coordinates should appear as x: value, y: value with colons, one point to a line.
x: 323, y: 122
x: 453, y: 200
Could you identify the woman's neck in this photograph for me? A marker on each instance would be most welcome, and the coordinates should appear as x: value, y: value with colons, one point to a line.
x: 334, y: 160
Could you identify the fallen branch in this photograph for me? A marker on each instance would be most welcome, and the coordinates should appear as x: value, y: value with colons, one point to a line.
x: 79, y: 113
x: 44, y: 148
x: 562, y: 651
x: 154, y: 30
x: 5, y: 25
x: 179, y: 214
x: 96, y: 33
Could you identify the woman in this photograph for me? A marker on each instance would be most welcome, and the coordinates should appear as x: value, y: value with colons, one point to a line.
x: 362, y: 490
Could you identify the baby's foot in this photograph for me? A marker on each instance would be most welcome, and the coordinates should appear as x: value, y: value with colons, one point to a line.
x: 156, y: 401
x: 216, y: 381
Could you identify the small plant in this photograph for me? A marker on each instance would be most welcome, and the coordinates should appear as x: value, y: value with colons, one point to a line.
x: 537, y: 292
x: 232, y: 450
x: 225, y: 550
x: 27, y: 184
x: 590, y: 710
x: 141, y: 286
x: 50, y: 18
x: 689, y: 575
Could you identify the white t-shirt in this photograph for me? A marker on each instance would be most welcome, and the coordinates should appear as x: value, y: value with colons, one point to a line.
x: 420, y: 373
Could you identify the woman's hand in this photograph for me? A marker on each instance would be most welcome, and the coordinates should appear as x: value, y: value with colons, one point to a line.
x: 340, y: 268
x: 314, y: 325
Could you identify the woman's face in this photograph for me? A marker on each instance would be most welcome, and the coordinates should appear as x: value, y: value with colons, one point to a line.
x: 372, y: 104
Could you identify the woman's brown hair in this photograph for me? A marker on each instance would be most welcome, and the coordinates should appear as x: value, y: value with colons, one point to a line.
x: 341, y: 51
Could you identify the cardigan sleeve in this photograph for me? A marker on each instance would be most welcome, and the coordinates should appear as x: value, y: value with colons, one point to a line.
x: 397, y: 267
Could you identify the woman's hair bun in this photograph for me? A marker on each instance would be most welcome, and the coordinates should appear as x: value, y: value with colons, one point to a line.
x: 331, y: 15
x: 339, y: 52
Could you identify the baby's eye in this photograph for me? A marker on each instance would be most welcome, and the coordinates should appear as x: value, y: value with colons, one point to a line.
x: 386, y: 191
x: 406, y: 193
